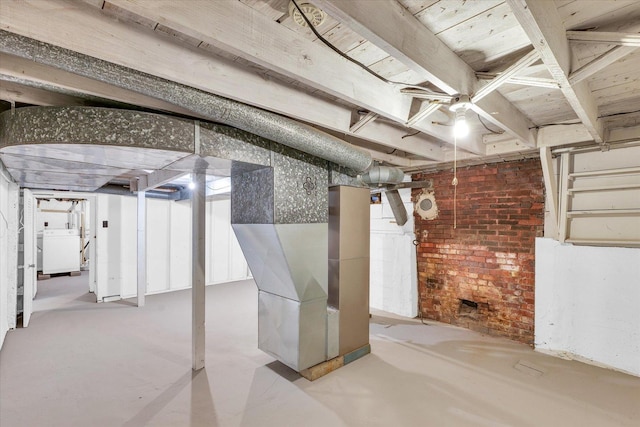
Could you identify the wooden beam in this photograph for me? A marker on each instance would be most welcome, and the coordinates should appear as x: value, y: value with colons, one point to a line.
x: 390, y: 158
x: 551, y: 186
x: 194, y: 67
x: 543, y: 25
x: 497, y: 110
x: 534, y: 81
x: 563, y: 194
x: 504, y: 76
x: 600, y: 63
x: 369, y: 117
x: 232, y: 26
x: 154, y: 179
x: 35, y: 75
x: 431, y: 108
x: 15, y: 92
x: 629, y: 133
x: 392, y: 28
x: 620, y: 39
x: 553, y: 136
x: 523, y: 80
x: 396, y: 138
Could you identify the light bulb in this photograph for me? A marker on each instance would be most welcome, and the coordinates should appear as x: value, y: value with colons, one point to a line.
x: 461, y: 127
x: 192, y: 185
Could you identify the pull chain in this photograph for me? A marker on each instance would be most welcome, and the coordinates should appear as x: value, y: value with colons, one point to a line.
x: 455, y: 180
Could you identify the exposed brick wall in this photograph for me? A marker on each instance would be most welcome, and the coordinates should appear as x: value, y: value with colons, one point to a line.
x: 488, y: 259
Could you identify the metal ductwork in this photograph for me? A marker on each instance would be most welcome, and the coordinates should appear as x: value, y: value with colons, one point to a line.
x: 384, y: 176
x: 203, y: 104
x: 179, y: 193
x: 378, y: 176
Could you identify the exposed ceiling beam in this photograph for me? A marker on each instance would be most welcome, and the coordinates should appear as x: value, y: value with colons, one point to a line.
x: 504, y: 76
x: 56, y: 81
x: 548, y: 136
x: 621, y: 39
x: 534, y: 81
x: 392, y: 28
x: 51, y: 21
x: 155, y: 179
x: 630, y: 133
x: 389, y: 158
x: 231, y: 26
x: 369, y: 117
x: 15, y: 92
x: 600, y: 63
x: 553, y: 136
x: 543, y: 25
x: 431, y: 108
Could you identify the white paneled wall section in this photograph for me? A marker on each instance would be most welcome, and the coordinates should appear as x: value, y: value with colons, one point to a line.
x: 8, y: 252
x: 168, y: 246
x: 393, y: 275
x: 587, y: 303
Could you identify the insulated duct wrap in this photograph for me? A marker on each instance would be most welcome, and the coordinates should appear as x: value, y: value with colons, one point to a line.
x: 211, y: 107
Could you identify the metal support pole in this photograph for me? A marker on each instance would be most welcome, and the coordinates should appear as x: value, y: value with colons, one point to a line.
x: 198, y: 210
x: 142, y: 248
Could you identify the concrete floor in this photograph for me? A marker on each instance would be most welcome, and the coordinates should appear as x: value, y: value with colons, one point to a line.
x: 112, y: 364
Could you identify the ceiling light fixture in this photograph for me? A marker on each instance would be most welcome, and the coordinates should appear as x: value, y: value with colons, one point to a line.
x: 460, y: 104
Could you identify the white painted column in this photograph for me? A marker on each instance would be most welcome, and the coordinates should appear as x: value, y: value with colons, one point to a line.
x: 142, y: 247
x: 198, y: 235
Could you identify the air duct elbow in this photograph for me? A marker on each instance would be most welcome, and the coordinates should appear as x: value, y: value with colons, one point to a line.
x: 378, y: 176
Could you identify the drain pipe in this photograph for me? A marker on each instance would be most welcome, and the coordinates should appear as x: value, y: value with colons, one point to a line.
x: 268, y: 125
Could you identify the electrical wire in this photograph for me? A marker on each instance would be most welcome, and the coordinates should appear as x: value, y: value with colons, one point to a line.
x: 487, y: 128
x: 347, y: 57
x: 409, y: 134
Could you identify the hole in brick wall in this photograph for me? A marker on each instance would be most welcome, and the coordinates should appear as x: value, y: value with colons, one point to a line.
x: 468, y: 309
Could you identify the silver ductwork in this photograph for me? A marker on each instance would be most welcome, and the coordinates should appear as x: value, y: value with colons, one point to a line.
x: 203, y: 104
x: 291, y: 275
x: 382, y: 176
x: 378, y: 176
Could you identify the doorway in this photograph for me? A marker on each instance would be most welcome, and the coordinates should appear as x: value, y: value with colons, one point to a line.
x: 61, y: 225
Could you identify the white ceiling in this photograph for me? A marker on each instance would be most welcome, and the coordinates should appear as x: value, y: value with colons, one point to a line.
x: 580, y: 86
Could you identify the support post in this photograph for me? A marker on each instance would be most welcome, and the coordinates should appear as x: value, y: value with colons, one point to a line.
x: 198, y: 210
x: 551, y: 186
x: 141, y: 247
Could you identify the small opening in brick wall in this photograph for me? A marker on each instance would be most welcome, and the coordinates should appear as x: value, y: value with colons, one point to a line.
x: 468, y: 309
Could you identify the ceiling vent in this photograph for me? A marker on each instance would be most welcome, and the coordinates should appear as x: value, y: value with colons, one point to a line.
x: 313, y: 14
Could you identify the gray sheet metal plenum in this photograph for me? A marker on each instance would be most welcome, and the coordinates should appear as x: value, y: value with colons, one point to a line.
x: 215, y: 108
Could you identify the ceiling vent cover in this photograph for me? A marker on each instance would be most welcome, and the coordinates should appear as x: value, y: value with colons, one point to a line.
x: 426, y: 206
x: 313, y: 14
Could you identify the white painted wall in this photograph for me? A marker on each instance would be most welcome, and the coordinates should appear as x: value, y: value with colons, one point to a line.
x: 168, y: 246
x: 587, y: 303
x: 393, y: 276
x: 8, y: 252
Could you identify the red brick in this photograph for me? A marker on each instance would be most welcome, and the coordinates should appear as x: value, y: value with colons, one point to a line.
x: 488, y: 258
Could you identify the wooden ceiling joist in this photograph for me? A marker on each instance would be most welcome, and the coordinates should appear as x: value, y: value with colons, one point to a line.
x: 390, y: 27
x: 600, y: 63
x: 187, y: 65
x: 621, y: 39
x: 544, y: 27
